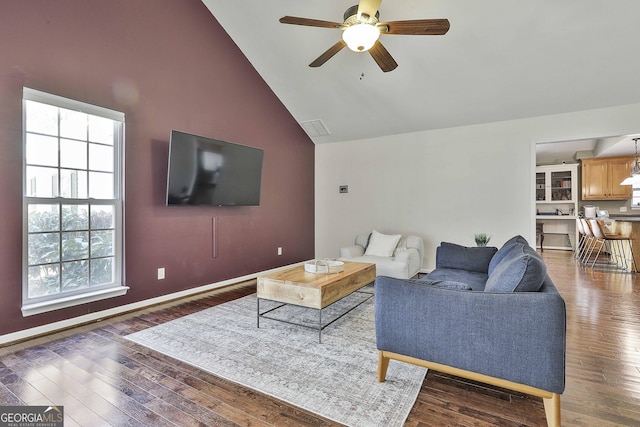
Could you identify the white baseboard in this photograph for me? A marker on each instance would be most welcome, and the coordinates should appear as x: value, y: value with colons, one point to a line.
x: 100, y: 315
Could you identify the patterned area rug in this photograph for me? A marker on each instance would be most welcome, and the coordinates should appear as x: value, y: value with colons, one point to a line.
x: 335, y: 379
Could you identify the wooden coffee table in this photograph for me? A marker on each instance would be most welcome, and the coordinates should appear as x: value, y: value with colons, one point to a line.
x: 313, y: 290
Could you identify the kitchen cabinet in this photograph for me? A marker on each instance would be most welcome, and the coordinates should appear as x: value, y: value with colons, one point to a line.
x: 557, y: 184
x: 601, y: 178
x: 557, y: 204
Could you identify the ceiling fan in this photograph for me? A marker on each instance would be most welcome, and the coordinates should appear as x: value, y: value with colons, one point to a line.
x: 362, y: 28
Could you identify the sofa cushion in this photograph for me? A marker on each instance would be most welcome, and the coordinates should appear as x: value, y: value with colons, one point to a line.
x: 504, y: 250
x: 450, y: 255
x: 382, y: 244
x: 520, y: 270
x: 474, y: 279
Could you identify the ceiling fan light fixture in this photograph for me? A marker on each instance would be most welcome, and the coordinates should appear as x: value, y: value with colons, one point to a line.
x: 361, y: 37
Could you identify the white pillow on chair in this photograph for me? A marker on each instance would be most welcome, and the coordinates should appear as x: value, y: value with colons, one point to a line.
x: 382, y: 244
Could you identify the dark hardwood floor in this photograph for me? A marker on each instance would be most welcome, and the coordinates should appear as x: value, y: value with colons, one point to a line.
x: 103, y: 379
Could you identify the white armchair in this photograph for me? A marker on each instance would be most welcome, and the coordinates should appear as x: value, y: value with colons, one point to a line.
x: 401, y: 258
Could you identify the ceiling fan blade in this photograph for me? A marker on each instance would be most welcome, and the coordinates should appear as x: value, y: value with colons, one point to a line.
x: 328, y: 54
x: 418, y: 27
x: 382, y: 57
x: 310, y: 22
x: 368, y: 7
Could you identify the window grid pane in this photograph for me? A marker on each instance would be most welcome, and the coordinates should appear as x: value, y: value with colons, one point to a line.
x: 43, y: 217
x: 73, y: 124
x: 41, y: 182
x: 75, y: 217
x: 73, y: 154
x: 42, y: 150
x: 73, y: 184
x: 101, y: 185
x: 102, y: 271
x: 44, y: 280
x: 41, y: 118
x: 75, y: 275
x: 100, y: 157
x: 44, y: 248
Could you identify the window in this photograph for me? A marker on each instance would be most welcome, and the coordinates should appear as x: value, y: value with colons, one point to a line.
x: 635, y: 198
x: 72, y: 202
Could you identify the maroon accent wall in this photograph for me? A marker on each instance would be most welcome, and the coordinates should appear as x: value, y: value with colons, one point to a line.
x: 167, y: 64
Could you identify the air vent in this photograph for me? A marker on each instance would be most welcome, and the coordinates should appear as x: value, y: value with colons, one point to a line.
x: 315, y: 128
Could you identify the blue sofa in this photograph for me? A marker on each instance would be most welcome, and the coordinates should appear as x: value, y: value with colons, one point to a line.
x: 486, y: 314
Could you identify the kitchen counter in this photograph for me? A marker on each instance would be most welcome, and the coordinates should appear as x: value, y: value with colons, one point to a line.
x: 560, y: 217
x: 631, y: 218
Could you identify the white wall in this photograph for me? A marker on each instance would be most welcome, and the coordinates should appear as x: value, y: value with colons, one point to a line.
x: 447, y: 184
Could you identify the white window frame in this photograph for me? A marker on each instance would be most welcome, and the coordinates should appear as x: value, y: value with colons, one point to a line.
x: 31, y: 306
x: 635, y: 196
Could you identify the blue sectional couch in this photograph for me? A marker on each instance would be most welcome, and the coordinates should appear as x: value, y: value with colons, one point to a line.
x: 487, y: 314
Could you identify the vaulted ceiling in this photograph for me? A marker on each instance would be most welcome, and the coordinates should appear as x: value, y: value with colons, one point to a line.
x: 500, y: 60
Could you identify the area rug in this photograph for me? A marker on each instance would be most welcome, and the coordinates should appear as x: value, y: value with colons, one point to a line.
x: 336, y: 379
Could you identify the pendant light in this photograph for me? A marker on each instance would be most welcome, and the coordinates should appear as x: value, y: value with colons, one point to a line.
x: 635, y: 172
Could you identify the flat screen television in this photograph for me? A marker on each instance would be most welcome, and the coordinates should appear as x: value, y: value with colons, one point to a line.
x: 207, y: 171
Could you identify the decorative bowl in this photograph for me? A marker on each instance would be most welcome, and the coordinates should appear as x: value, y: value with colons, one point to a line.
x: 323, y: 266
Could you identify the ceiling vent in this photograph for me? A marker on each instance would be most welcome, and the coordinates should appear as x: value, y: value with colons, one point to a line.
x: 315, y: 128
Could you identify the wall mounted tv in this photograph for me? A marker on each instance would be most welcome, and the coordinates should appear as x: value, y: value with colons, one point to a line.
x: 206, y: 171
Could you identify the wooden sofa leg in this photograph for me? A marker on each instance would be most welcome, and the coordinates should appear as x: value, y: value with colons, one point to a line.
x: 383, y: 364
x: 552, y: 410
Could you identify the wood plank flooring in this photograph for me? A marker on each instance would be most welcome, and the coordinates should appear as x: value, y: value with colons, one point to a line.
x: 105, y: 380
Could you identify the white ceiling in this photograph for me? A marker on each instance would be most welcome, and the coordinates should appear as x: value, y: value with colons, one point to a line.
x: 501, y: 60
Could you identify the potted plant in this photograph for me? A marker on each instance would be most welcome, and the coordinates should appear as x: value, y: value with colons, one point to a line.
x: 482, y: 239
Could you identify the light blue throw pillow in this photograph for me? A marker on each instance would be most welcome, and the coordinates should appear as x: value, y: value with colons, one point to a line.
x: 520, y: 270
x: 504, y: 251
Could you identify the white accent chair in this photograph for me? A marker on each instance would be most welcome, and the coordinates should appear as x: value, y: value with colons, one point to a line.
x: 404, y: 261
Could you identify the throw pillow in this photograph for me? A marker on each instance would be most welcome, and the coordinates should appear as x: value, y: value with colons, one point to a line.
x: 522, y: 271
x: 504, y: 251
x: 469, y: 258
x: 382, y: 244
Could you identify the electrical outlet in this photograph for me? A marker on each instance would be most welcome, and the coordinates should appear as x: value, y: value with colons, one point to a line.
x: 279, y: 250
x: 161, y: 273
x: 623, y: 209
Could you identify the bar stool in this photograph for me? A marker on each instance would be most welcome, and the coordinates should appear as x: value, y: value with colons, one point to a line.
x: 589, y: 242
x: 599, y: 233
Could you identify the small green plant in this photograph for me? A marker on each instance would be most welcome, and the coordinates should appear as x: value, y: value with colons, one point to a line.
x: 482, y: 239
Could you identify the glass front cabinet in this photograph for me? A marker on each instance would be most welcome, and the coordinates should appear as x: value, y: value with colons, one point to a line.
x: 556, y: 184
x: 556, y: 192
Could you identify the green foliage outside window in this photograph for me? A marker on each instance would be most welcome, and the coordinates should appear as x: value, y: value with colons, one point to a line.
x: 87, y: 253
